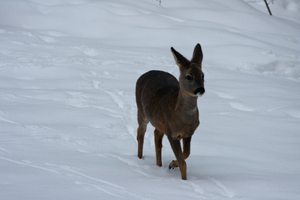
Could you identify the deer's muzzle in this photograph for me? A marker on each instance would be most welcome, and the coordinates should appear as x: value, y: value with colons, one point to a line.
x: 199, y: 91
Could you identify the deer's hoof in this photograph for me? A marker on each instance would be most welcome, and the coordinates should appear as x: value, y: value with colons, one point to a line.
x: 173, y: 164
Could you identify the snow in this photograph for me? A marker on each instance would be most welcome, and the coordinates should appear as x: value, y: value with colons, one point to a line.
x: 67, y: 107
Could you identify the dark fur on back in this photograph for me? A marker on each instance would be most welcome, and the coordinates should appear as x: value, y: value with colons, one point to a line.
x: 152, y: 87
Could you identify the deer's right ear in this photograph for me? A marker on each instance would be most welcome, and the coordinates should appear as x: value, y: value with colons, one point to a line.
x: 197, y: 55
x: 181, y: 61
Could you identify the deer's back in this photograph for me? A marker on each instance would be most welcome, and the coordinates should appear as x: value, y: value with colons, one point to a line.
x: 156, y: 94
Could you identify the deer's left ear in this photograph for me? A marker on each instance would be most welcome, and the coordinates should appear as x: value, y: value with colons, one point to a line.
x: 181, y: 61
x: 197, y: 55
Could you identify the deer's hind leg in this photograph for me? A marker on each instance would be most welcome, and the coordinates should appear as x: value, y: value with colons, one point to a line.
x: 141, y: 130
x: 158, y: 136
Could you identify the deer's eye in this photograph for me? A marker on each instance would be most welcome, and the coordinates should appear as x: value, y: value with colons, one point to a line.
x: 189, y: 77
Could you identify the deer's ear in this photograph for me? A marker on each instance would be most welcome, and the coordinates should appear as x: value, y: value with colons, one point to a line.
x: 197, y: 55
x: 181, y: 61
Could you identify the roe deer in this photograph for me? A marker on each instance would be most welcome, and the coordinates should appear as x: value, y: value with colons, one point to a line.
x: 171, y: 107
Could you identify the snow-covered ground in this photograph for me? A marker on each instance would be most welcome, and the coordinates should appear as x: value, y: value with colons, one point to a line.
x: 67, y: 107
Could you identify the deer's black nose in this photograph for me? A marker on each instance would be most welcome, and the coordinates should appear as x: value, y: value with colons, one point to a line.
x: 199, y: 91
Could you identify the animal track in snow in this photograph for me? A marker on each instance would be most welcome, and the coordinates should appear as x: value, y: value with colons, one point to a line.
x: 7, y: 120
x: 83, y: 179
x: 96, y: 179
x: 127, y: 113
x: 241, y: 107
x: 96, y: 84
x: 48, y: 39
x: 4, y: 119
x: 224, y: 95
x: 294, y: 113
x: 233, y: 104
x: 77, y: 99
x: 54, y: 33
x: 226, y: 191
x: 172, y: 18
x: 28, y: 164
x: 3, y: 150
x: 133, y: 165
x: 116, y: 98
x: 87, y: 51
x: 101, y: 184
x: 197, y: 189
x: 97, y: 187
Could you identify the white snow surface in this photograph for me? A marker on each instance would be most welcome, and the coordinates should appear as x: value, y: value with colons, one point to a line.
x: 67, y: 107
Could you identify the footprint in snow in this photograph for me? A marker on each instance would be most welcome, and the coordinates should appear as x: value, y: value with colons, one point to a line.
x: 88, y: 51
x: 96, y: 84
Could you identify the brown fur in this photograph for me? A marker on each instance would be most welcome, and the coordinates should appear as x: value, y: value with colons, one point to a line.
x: 171, y: 107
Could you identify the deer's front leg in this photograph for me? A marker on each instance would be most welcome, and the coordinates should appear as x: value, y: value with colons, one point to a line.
x: 187, y: 147
x: 186, y: 152
x: 176, y: 147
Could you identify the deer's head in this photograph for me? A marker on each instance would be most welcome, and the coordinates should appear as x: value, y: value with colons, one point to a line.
x: 191, y: 79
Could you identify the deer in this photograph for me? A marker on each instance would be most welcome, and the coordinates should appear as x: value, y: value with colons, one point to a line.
x: 170, y: 105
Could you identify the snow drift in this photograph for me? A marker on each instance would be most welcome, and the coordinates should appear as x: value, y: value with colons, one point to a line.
x: 67, y: 110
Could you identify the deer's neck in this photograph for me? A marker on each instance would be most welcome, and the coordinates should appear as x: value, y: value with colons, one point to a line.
x: 186, y: 104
